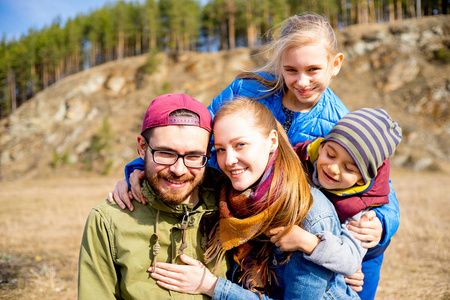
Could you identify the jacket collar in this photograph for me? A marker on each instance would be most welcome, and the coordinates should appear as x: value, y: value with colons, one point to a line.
x: 313, y: 149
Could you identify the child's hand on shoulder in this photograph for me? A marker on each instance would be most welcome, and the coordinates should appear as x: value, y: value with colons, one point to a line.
x: 297, y: 239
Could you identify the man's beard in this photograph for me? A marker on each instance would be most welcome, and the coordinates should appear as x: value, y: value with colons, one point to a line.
x: 172, y: 196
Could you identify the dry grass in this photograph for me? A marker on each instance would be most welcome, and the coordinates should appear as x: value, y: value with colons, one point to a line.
x: 417, y: 263
x: 41, y: 223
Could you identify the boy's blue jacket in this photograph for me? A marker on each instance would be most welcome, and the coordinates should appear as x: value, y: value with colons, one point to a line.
x: 305, y: 126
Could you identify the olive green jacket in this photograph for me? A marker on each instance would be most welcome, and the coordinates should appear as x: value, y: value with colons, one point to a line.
x: 118, y: 245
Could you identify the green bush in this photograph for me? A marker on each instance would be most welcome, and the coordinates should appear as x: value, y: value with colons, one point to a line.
x: 102, y: 140
x: 152, y: 63
x: 443, y: 54
x: 99, y: 154
x: 59, y: 160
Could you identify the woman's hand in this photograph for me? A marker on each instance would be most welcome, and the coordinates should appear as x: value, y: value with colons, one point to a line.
x: 193, y: 278
x: 368, y: 230
x: 356, y: 281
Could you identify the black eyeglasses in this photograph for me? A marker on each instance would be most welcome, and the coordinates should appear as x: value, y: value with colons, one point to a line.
x: 168, y: 158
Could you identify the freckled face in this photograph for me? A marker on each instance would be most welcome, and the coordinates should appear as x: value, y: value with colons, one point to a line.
x: 307, y: 74
x: 242, y: 150
x: 336, y: 168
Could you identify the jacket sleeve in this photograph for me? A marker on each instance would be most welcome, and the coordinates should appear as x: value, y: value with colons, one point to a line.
x: 97, y: 277
x: 138, y: 163
x: 226, y: 290
x: 342, y: 255
x: 389, y: 215
x: 338, y: 250
x: 302, y: 280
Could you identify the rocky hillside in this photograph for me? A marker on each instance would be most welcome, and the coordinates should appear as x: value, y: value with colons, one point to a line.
x: 89, y: 121
x: 405, y: 69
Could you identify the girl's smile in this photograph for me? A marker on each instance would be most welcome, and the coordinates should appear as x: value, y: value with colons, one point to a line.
x: 305, y: 92
x: 307, y: 72
x: 236, y: 173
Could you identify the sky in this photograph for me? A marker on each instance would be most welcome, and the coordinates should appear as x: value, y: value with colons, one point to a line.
x: 17, y: 16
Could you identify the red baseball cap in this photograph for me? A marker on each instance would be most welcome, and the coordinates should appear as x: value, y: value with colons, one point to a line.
x: 161, y: 107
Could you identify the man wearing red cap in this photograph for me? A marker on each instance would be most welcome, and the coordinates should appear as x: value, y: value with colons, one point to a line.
x: 118, y: 246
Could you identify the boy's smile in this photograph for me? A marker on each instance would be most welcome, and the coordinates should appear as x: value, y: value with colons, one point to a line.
x: 336, y: 169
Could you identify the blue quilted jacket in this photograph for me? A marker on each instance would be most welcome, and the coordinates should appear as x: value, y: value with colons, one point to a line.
x: 305, y: 126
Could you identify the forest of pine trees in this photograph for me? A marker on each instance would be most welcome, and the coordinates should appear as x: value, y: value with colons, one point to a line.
x: 122, y: 29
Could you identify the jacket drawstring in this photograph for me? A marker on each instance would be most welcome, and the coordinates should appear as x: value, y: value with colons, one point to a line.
x: 184, y: 226
x: 156, y: 246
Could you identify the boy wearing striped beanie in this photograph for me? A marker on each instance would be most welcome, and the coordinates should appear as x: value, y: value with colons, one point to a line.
x: 351, y: 167
x: 350, y: 164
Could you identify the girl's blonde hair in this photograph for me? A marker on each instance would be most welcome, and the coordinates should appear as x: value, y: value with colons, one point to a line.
x: 296, y: 31
x: 289, y: 188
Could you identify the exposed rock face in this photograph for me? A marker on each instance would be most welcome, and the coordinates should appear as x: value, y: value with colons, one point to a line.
x: 403, y: 68
x: 60, y: 125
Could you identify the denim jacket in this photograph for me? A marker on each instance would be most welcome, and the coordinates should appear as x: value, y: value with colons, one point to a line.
x: 299, y: 278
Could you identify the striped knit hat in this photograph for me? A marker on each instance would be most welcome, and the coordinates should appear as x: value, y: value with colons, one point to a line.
x: 369, y: 136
